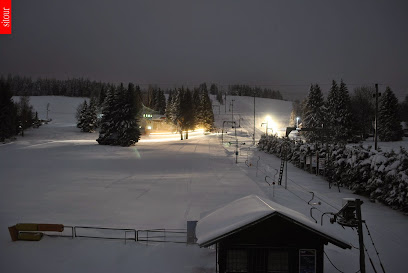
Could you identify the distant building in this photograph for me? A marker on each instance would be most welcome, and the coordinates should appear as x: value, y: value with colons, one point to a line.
x: 253, y: 234
x: 152, y: 122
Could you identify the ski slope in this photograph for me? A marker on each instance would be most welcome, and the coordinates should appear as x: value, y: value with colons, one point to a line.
x: 56, y: 174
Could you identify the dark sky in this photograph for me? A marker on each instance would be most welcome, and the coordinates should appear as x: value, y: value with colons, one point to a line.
x: 283, y: 44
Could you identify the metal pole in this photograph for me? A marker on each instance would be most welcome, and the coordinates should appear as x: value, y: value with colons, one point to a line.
x: 48, y: 109
x: 232, y: 105
x: 222, y: 133
x: 360, y: 236
x: 376, y: 117
x: 225, y: 102
x: 236, y: 147
x: 216, y: 258
x: 254, y: 120
x: 286, y: 174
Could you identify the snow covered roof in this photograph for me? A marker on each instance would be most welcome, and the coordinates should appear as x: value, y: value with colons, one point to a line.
x: 249, y: 210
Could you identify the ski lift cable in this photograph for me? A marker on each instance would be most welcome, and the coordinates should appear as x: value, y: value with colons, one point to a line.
x: 307, y: 192
x: 369, y: 257
x: 301, y: 188
x: 304, y: 200
x: 316, y: 196
x: 304, y: 190
x: 376, y: 251
x: 334, y: 265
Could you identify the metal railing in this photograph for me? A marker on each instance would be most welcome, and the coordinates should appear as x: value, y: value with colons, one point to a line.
x: 162, y: 235
x: 105, y: 233
x: 126, y: 234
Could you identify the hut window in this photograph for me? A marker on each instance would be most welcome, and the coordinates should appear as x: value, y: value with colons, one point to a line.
x: 237, y: 260
x: 278, y: 262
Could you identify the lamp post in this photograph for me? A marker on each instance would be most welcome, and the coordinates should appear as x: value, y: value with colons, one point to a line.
x: 297, y: 122
x: 266, y: 127
x: 268, y: 121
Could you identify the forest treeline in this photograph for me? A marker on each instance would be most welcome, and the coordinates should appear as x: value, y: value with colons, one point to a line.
x: 82, y: 87
x: 344, y: 117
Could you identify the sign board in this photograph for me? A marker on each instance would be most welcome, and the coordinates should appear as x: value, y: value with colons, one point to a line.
x: 322, y: 162
x: 307, y: 260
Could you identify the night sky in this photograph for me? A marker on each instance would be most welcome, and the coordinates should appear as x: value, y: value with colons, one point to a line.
x: 285, y: 45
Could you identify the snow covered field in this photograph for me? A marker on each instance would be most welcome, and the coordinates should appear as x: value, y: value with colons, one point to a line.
x: 56, y: 174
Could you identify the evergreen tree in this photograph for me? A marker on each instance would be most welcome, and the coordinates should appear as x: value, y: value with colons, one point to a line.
x: 169, y: 110
x: 88, y: 117
x: 339, y: 117
x: 93, y: 114
x: 108, y: 134
x: 176, y: 113
x: 187, y: 119
x: 389, y: 126
x: 213, y: 89
x: 197, y: 109
x: 331, y: 105
x: 363, y: 110
x: 296, y: 113
x: 313, y: 113
x: 129, y: 128
x: 102, y: 96
x: 82, y: 110
x: 207, y: 114
x: 203, y: 112
x: 25, y: 113
x: 344, y: 121
x: 404, y: 110
x: 219, y: 97
x: 8, y: 112
x: 161, y: 102
x: 203, y: 87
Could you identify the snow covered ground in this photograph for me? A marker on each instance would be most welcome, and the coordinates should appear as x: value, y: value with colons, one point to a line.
x: 56, y: 174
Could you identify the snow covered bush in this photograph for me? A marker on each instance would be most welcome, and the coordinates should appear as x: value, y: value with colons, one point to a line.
x: 382, y: 176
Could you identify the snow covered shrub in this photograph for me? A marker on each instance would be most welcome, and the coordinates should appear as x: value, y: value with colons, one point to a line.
x: 262, y: 143
x: 295, y: 158
x: 383, y: 176
x: 274, y: 145
x: 360, y: 170
x: 396, y: 181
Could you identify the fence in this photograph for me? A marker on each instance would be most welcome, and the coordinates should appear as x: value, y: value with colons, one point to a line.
x: 126, y: 234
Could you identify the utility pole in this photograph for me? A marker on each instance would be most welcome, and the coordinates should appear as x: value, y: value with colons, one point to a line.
x: 360, y: 235
x: 376, y: 116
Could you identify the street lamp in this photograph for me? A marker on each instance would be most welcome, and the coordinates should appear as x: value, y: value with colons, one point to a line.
x: 297, y: 122
x: 268, y: 121
x: 266, y: 130
x: 267, y: 127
